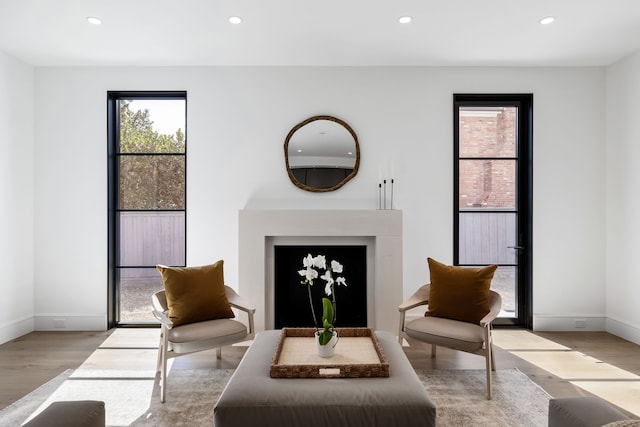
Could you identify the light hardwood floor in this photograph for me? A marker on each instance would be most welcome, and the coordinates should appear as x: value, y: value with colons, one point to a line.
x: 562, y: 363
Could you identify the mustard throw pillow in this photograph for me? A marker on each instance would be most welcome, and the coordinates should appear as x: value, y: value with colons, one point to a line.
x: 459, y: 293
x: 195, y: 294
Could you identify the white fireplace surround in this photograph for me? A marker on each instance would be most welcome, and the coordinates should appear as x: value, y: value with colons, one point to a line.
x: 380, y: 230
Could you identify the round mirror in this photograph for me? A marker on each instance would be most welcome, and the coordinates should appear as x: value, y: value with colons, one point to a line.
x: 322, y: 153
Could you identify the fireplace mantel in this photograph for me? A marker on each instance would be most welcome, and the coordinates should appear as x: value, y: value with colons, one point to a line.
x: 256, y: 227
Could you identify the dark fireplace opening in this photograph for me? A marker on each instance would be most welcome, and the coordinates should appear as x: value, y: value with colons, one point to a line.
x: 291, y: 298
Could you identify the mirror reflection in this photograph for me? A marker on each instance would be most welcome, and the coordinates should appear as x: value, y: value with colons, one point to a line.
x: 321, y: 153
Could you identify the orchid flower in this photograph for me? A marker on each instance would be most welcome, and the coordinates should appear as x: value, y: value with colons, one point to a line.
x: 327, y: 289
x: 336, y: 267
x: 310, y: 273
x: 320, y: 262
x: 327, y: 277
x: 308, y: 261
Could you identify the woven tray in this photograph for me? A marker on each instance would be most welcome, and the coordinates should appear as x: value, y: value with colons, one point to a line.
x: 358, y: 355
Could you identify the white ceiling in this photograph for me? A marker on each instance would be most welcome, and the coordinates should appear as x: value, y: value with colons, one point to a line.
x: 329, y: 32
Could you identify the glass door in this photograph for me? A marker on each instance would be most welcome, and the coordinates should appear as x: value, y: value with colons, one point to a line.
x: 147, y: 198
x: 492, y: 202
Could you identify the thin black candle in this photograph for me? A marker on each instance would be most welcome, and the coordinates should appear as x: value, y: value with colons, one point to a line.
x: 385, y: 194
x: 391, y: 193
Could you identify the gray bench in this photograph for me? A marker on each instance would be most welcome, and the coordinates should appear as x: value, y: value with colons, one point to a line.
x: 586, y: 411
x: 76, y: 413
x: 253, y: 398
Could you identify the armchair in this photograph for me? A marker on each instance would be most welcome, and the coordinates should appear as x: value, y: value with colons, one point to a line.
x: 189, y: 338
x: 455, y: 334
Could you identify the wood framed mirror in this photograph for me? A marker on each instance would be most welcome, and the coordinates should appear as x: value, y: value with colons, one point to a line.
x: 321, y: 153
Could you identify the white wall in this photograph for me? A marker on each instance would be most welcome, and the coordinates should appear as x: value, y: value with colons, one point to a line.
x: 237, y: 121
x: 623, y: 203
x: 16, y: 196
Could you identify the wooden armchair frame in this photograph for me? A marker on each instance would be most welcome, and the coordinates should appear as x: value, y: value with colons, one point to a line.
x: 184, y: 339
x: 449, y: 333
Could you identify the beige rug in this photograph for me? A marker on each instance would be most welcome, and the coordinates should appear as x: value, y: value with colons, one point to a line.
x: 459, y: 396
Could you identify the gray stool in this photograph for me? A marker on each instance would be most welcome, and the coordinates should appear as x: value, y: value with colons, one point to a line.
x: 584, y: 411
x: 78, y: 413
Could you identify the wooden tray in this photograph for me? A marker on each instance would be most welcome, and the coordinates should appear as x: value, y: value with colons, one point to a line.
x: 358, y: 355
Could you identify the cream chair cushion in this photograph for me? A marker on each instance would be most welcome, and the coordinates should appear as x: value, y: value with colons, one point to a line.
x: 447, y: 333
x: 204, y: 335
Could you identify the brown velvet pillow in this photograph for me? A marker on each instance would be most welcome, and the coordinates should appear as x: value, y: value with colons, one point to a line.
x: 459, y: 293
x: 195, y: 294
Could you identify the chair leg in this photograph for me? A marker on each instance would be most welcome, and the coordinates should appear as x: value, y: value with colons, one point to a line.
x: 219, y: 353
x: 401, y: 328
x: 163, y: 368
x: 433, y: 350
x: 493, y: 359
x: 489, y: 359
x: 159, y: 358
x: 489, y: 375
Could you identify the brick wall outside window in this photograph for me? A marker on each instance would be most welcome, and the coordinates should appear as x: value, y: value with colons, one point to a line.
x: 487, y: 183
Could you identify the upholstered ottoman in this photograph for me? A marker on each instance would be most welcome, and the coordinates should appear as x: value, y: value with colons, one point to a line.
x: 253, y: 398
x: 584, y: 411
x: 77, y: 413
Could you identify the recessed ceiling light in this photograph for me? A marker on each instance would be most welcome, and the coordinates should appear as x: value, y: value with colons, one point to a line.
x: 404, y: 19
x: 547, y: 20
x: 93, y: 20
x: 235, y: 20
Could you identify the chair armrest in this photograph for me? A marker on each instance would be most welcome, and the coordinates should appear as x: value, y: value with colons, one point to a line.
x: 419, y: 297
x: 238, y: 302
x: 163, y: 318
x: 495, y: 305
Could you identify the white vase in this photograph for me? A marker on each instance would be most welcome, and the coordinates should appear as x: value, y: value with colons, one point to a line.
x: 327, y: 350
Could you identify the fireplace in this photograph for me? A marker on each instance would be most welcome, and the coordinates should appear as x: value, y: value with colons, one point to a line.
x: 261, y: 230
x: 291, y: 298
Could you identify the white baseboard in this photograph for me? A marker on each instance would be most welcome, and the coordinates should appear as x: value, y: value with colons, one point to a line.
x: 15, y: 329
x: 624, y: 330
x: 589, y: 323
x: 65, y: 322
x: 575, y: 322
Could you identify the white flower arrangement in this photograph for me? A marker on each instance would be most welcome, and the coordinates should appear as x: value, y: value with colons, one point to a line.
x: 311, y: 266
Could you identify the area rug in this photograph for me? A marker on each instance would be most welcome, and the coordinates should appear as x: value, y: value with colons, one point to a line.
x: 461, y: 400
x: 459, y: 396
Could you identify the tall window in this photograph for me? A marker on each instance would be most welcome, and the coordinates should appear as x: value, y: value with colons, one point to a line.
x: 147, y: 197
x: 493, y: 141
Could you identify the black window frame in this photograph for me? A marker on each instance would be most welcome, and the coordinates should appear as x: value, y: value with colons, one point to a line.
x: 113, y: 137
x: 524, y: 102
